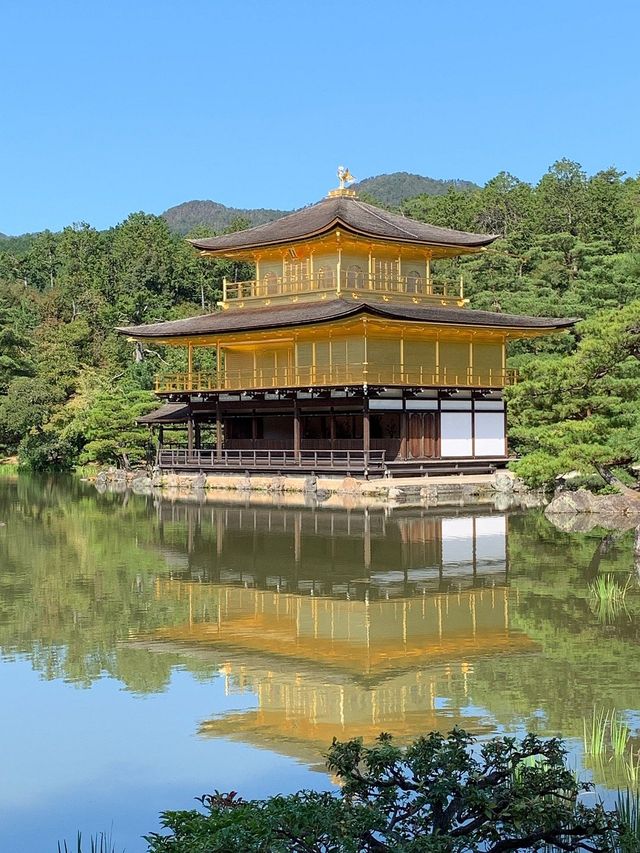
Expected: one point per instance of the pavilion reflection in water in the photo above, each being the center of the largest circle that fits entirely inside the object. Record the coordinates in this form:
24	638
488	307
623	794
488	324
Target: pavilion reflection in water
342	624
336	553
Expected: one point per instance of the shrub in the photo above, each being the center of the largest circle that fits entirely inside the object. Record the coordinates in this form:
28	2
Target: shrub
440	794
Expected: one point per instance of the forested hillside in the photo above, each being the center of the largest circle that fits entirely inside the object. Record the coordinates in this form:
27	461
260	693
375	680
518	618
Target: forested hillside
70	388
394	189
184	218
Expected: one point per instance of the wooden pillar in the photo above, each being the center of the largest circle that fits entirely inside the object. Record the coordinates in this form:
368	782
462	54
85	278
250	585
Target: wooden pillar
296	429
160	436
218	430
190	362
366	538
403	429
254	429
190	432
366	433
332	428
198	435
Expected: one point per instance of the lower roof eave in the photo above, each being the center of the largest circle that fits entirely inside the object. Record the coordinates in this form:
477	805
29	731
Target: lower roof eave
285	316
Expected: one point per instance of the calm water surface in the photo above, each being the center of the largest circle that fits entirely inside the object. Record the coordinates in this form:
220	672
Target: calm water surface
152	651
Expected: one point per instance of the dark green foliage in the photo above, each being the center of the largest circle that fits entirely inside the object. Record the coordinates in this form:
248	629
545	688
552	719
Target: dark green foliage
70	388
440	794
574	411
186	217
392	190
107	426
14	349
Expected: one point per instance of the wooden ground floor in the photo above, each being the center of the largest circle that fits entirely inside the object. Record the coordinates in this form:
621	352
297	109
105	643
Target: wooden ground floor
342	430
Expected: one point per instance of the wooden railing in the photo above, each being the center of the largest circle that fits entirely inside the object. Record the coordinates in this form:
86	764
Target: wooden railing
348	281
271	460
334	375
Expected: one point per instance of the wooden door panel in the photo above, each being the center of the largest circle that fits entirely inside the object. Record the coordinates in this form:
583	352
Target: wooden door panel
423	435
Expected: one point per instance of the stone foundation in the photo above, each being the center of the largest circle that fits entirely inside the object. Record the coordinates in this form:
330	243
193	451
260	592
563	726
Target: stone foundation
501	488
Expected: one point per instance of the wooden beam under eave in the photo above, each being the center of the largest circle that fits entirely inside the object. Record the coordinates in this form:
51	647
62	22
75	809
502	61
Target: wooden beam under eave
346	325
349	241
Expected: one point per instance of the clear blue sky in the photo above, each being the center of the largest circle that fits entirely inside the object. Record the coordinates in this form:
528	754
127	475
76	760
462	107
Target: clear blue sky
122	105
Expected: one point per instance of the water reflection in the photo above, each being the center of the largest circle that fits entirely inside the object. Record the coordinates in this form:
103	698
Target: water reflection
337	553
337	623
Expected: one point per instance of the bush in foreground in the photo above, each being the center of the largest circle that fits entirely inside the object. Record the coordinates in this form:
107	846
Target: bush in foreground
440	794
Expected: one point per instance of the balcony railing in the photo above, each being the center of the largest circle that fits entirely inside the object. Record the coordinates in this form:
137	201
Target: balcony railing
347	282
268	460
335	375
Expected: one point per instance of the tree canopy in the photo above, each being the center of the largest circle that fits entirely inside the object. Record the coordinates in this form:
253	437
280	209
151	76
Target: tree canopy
441	794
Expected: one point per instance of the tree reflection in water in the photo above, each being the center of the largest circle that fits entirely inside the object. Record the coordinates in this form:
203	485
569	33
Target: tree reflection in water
340	622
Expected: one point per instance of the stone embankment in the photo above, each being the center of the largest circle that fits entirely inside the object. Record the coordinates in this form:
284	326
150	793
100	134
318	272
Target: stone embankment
581	510
502	488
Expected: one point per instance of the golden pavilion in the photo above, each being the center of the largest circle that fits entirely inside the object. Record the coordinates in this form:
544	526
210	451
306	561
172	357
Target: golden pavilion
343	354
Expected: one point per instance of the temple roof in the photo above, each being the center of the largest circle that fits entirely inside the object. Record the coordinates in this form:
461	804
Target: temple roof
169	413
308	313
351	215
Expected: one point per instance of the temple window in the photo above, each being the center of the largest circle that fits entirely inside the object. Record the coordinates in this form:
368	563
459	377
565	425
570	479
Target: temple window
386	269
325	277
414	282
296	270
270	284
355	276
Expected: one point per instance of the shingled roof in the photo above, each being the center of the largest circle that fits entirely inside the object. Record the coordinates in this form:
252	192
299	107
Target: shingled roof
349	214
169	413
307	313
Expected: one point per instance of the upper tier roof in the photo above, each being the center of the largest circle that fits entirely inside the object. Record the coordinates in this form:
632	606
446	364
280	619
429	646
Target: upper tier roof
307	313
349	214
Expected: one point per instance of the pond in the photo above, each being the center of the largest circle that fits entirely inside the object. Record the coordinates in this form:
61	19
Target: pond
153	651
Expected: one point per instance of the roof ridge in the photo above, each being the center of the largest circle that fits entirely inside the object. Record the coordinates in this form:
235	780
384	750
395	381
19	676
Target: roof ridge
375	213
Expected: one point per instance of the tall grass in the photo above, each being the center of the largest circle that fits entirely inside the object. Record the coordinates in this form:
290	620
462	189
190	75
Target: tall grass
628	808
607	597
605	732
632	767
101	843
620	735
595	735
87	471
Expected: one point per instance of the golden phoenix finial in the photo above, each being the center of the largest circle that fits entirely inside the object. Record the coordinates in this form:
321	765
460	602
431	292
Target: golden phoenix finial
344	176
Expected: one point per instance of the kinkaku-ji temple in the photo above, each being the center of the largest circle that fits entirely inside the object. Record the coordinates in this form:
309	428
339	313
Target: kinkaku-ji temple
343	354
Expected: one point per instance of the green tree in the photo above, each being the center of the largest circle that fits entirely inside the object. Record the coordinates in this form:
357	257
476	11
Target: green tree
107	425
583	410
14	350
440	794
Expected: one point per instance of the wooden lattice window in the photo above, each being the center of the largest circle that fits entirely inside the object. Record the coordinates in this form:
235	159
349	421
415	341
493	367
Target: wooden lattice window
355	276
270	284
414	282
386	269
296	270
325	277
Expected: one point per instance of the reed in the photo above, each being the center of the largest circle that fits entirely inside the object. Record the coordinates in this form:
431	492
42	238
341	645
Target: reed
632	768
620	734
101	843
607	597
595	735
628	809
87	471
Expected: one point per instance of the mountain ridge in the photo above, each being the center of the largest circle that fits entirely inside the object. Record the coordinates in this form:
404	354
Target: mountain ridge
389	190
